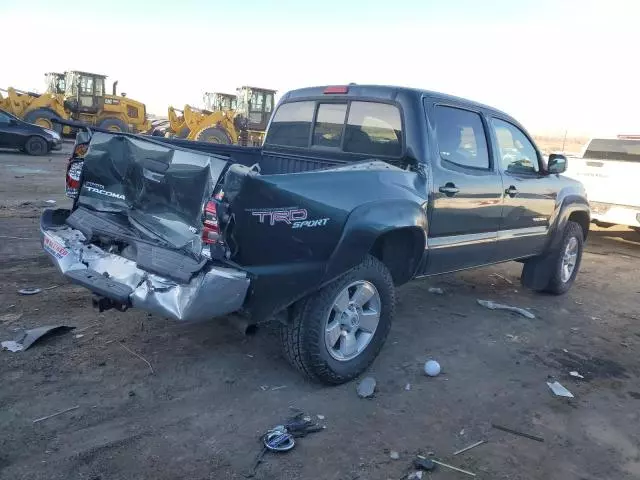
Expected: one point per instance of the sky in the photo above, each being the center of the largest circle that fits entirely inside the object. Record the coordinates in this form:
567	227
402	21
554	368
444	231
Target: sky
563	65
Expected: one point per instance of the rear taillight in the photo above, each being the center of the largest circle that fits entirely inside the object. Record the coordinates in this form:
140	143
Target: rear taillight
74	171
211	229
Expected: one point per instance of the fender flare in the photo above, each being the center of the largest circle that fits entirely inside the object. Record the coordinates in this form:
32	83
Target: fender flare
570	203
366	224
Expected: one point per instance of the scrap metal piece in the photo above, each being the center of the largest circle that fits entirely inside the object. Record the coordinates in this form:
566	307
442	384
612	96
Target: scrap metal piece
466	472
26	338
470	447
498	306
29	291
56	414
516	432
559	390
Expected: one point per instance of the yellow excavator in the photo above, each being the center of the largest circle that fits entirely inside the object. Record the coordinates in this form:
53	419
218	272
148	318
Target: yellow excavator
228	119
78	96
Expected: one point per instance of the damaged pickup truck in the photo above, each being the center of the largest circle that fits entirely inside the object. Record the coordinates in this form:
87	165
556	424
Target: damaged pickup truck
357	190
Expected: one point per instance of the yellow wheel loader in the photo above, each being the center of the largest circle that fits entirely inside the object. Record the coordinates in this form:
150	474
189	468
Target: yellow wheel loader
81	97
231	119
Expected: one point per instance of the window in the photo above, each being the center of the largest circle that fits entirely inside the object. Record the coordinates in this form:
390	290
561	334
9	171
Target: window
86	85
257	102
4	119
291	125
613	149
374	128
329	122
517	154
461	137
268	103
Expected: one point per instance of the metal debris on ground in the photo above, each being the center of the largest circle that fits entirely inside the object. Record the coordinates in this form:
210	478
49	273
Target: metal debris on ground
474	445
137	355
559	390
436	290
499	306
320	417
79	335
415	475
27	338
422	463
279	387
393	455
281	438
367	387
432	368
407	387
466	472
576	374
29	291
516	432
9	318
502	277
56	414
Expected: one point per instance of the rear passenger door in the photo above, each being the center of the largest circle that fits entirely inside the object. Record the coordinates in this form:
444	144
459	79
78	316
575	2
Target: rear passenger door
466	205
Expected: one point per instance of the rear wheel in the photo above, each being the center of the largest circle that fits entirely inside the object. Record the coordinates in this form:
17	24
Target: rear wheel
36	146
44	117
114	125
213	135
336	333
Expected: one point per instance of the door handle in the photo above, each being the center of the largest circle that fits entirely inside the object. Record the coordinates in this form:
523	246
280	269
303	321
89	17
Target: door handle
511	191
449	189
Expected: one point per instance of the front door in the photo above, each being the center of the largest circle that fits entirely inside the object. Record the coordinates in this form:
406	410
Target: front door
9	136
466	202
529	193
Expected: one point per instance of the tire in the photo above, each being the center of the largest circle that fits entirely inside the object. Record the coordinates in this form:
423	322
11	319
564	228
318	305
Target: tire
36	146
213	135
303	338
43	117
553	264
114	125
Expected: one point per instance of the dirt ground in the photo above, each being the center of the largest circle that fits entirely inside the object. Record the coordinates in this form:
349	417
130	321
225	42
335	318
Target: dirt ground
212	391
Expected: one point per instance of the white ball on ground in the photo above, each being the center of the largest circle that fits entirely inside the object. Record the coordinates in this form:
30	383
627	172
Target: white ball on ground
432	368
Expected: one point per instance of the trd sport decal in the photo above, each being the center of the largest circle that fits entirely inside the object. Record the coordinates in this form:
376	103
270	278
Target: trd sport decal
296	217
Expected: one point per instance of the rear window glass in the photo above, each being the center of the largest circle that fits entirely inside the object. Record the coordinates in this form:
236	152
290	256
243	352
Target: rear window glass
371	128
291	125
329	123
613	149
374	128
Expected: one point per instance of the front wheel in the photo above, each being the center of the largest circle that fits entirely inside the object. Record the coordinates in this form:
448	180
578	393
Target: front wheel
561	267
36	146
336	333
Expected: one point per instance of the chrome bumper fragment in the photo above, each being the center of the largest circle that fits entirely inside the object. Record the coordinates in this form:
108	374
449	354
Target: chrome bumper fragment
213	292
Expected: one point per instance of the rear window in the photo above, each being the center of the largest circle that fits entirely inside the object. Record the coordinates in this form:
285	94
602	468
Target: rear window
291	124
374	128
368	128
613	149
329	124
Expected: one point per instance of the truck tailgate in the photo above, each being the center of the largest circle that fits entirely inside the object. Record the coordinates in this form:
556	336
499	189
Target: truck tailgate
160	189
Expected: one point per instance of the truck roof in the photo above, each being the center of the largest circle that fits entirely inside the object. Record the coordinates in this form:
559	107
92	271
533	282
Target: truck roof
387	92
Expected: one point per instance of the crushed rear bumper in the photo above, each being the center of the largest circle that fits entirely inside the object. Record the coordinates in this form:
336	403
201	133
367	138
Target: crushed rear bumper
212	292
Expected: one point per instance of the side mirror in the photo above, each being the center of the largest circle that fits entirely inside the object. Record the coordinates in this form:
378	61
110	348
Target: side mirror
557	163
